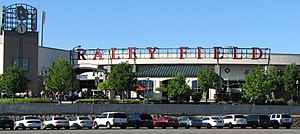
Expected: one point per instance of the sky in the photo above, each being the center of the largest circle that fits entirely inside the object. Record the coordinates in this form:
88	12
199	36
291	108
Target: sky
104	24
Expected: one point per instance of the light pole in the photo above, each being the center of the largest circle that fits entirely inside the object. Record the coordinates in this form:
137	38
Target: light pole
72	58
147	89
297	84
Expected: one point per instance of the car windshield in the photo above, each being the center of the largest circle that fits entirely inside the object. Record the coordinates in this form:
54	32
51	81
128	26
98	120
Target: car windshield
84	118
239	116
4	118
59	118
194	118
145	116
120	115
215	118
286	116
29	118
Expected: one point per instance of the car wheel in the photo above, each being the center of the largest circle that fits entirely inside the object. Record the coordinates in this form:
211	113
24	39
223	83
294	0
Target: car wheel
254	126
163	126
198	127
136	126
288	127
208	126
22	126
108	126
77	126
52	127
96	126
230	125
276	126
187	126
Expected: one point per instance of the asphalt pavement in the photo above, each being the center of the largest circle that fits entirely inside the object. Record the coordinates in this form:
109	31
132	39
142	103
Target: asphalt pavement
159	131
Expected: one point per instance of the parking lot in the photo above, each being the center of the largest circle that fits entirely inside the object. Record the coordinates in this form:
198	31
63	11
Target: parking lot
160	131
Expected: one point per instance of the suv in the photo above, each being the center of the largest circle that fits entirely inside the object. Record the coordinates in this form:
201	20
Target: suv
256	120
28	122
235	120
110	119
6	122
140	120
281	120
56	122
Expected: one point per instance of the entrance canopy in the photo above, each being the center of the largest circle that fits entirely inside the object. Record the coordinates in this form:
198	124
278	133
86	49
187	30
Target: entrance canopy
140	88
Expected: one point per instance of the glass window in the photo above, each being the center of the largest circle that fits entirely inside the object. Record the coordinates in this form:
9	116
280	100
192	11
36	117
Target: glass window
25	63
195	86
278	116
103	115
148	86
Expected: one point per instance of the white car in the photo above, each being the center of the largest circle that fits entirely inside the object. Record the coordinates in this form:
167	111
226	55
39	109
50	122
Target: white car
56	122
28	122
109	119
235	120
212	121
80	122
281	120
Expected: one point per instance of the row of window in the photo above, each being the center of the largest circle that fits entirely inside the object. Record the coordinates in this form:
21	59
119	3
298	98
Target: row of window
16	62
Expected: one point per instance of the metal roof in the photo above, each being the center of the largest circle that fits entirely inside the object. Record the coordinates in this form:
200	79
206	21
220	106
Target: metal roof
170	71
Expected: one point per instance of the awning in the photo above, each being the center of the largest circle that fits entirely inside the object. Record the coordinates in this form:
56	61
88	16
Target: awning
140	88
170	71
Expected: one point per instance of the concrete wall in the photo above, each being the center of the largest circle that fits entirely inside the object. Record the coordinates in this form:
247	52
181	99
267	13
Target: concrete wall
54	108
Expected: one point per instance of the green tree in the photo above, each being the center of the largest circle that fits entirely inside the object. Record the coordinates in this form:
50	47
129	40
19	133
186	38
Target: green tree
104	85
290	77
206	79
14	80
260	83
60	77
122	78
178	89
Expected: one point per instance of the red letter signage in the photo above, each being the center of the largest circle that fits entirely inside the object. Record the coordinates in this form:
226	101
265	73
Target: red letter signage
98	54
217	53
81	54
182	51
254	52
113	54
131	52
235	53
151	52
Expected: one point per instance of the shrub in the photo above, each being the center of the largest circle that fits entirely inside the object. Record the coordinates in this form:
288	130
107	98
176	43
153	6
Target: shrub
26	100
280	101
292	103
90	101
196	96
221	97
154	100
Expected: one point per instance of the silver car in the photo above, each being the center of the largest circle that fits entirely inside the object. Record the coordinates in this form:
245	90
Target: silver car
190	121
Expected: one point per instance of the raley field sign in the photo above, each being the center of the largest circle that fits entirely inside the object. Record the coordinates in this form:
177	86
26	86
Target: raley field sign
253	53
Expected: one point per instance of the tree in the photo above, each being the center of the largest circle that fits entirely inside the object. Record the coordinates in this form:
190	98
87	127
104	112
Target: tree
290	77
178	89
60	77
260	83
122	78
14	80
206	79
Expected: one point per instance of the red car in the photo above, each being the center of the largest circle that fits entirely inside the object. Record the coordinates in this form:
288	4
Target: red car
164	122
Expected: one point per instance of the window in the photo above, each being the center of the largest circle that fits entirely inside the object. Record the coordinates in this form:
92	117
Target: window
103	116
195	86
277	116
148	86
16	62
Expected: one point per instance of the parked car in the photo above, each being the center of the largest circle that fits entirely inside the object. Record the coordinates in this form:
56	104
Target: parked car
256	120
140	120
190	121
6	122
28	122
281	120
235	120
80	122
163	122
111	119
212	121
56	122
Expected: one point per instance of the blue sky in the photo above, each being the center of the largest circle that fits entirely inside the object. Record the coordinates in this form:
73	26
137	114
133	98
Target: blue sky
273	24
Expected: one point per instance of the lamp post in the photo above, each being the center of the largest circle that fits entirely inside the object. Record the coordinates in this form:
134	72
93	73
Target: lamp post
147	88
297	84
72	59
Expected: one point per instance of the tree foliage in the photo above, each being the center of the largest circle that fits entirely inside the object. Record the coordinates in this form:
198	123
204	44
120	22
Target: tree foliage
206	79
60	78
104	85
178	89
122	78
260	83
290	77
14	80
